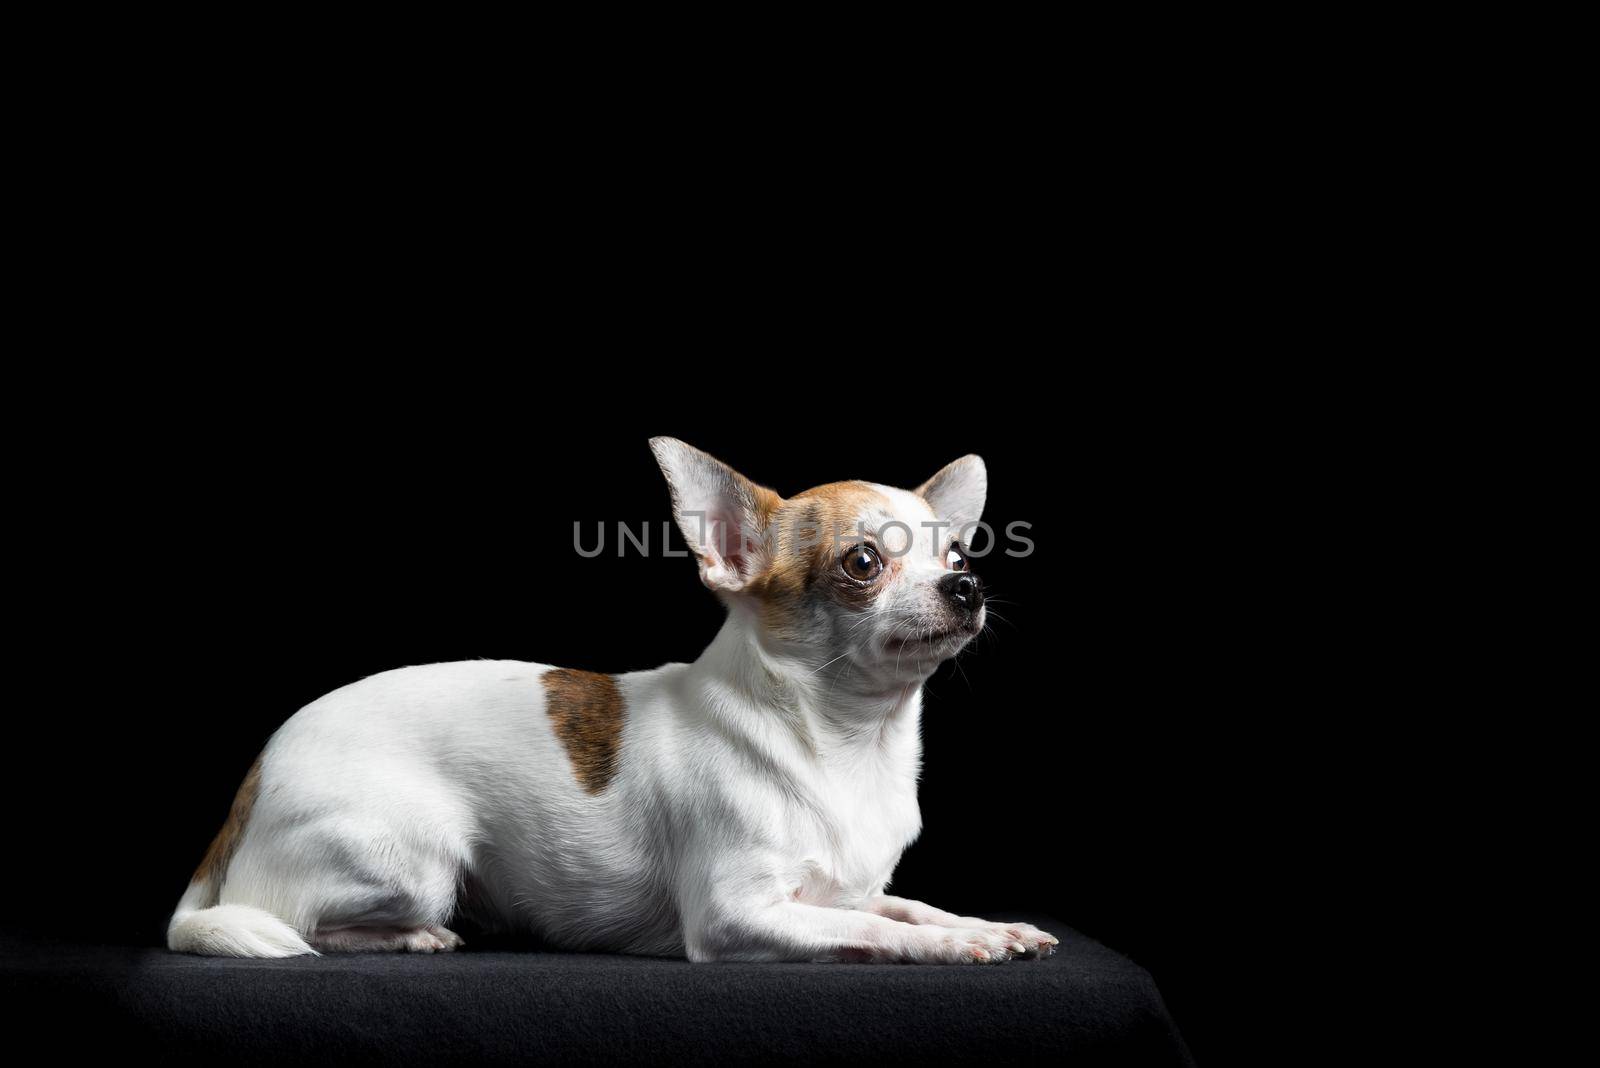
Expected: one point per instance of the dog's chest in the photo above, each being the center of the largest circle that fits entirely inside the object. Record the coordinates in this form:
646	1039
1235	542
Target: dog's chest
848	842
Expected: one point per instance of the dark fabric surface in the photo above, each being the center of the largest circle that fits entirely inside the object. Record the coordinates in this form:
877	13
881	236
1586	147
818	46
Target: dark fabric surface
1086	1003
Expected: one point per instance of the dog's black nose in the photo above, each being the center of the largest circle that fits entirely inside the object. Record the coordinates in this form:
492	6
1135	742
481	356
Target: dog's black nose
964	590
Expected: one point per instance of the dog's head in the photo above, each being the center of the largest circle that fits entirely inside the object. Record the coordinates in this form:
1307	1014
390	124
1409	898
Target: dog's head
868	575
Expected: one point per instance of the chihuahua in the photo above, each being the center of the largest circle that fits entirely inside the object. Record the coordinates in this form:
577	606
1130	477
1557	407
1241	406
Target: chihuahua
750	806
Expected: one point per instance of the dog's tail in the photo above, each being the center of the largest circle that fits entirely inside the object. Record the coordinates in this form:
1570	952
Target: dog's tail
229	930
202	924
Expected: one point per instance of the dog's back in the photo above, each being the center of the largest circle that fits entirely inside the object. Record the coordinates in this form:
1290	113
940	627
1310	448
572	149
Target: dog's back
374	805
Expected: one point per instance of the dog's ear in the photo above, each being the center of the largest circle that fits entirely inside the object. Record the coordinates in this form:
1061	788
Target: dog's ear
957	492
722	514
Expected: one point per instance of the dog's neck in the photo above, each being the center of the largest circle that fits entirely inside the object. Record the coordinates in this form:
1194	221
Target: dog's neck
827	705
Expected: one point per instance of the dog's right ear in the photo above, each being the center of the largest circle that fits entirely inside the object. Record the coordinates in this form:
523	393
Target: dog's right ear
722	514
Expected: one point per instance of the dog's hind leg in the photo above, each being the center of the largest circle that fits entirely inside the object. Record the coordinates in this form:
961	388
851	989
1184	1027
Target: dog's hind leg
431	938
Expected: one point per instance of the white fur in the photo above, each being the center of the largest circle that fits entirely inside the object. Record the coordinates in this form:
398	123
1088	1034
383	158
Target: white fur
958	491
761	801
231	931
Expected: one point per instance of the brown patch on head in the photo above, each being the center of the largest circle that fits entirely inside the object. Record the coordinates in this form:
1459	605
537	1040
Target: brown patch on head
586	709
214	867
763	506
764	503
812	529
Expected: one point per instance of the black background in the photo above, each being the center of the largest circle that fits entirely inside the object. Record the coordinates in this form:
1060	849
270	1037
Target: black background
1095	757
318	388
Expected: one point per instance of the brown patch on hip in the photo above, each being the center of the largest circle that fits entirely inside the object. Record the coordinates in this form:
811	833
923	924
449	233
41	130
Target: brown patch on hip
226	843
586	710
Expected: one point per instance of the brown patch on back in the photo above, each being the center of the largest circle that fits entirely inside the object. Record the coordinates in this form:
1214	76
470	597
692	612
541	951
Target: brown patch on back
226	843
586	709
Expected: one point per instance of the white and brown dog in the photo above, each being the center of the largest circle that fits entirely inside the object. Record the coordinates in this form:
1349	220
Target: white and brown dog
749	806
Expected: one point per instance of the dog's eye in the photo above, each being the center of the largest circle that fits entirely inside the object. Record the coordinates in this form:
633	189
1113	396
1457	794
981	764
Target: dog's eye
862	563
954	560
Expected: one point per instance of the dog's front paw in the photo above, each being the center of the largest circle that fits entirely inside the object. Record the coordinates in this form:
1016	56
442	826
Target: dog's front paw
1025	940
935	945
969	945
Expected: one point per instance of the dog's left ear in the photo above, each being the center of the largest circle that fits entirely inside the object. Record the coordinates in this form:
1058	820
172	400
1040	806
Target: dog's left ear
957	492
722	514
